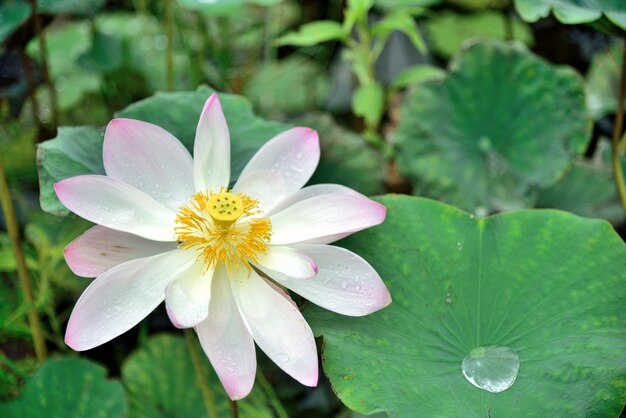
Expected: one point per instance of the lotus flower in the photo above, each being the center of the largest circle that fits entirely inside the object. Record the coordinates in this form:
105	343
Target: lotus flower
169	228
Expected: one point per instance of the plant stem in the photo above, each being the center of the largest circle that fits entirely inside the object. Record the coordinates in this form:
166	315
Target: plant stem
47	300
234	412
617	132
271	395
169	52
30	85
20	262
43	55
205	389
224	56
508	24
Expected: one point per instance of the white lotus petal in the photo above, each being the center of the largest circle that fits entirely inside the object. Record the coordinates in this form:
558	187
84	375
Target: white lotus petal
116	205
121	297
325	215
277	327
281	167
211	150
287	261
99	249
227	342
187	298
345	283
150	159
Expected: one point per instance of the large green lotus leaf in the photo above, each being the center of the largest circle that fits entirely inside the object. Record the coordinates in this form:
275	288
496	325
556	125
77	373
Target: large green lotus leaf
345	157
161	382
587	190
68	387
449	30
532	295
574	11
500	124
77	151
602	82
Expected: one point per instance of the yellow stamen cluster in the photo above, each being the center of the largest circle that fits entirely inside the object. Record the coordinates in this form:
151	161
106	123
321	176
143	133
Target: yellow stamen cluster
220	227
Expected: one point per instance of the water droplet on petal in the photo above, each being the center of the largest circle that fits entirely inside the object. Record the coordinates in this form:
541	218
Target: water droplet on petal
344	284
282	357
493	368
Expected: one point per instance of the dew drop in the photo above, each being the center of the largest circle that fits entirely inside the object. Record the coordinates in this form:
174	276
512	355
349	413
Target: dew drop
344	284
492	368
480	211
282	357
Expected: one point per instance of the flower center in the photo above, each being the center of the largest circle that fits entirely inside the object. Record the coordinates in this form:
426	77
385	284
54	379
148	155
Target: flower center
222	229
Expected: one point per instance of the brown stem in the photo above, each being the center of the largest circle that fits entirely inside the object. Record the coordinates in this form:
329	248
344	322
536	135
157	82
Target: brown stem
43	55
30	85
20	262
234	412
508	24
617	132
169	53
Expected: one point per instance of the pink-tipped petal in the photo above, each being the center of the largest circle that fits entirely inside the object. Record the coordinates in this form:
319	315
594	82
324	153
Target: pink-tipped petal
121	297
116	205
99	249
288	261
227	342
309	192
292	155
277	326
149	158
345	283
211	152
187	298
323	216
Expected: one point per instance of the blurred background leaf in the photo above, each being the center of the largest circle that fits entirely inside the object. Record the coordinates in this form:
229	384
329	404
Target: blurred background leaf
456	144
161	382
68	387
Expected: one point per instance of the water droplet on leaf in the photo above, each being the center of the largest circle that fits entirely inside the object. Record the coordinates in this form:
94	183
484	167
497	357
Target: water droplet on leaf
492	368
